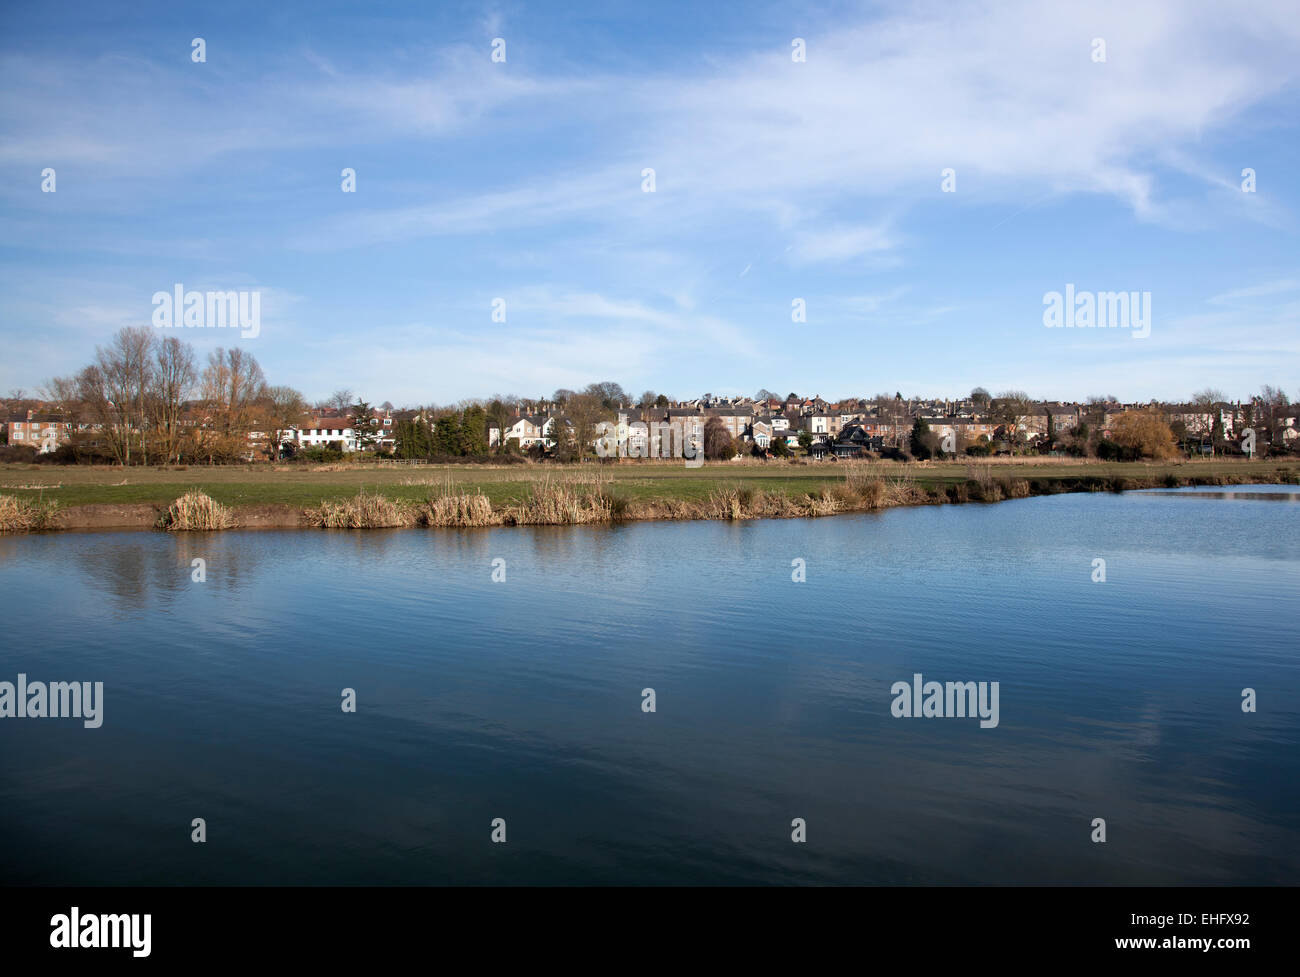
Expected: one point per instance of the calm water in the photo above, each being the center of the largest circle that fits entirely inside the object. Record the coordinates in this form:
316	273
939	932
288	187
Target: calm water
522	700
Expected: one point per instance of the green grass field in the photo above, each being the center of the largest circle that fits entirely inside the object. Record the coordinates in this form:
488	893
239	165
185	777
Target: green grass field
637	481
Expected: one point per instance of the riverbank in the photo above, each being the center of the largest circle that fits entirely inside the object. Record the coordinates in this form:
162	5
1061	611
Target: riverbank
40	498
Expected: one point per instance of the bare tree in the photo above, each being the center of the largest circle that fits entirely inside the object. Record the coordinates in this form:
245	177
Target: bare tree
232	384
287	408
583	412
500	412
61	394
891	410
1272	405
1012	408
135	346
718	445
1206	403
609	394
175	377
116	387
106	408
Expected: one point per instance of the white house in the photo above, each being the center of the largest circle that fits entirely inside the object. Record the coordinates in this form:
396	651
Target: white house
528	430
328	432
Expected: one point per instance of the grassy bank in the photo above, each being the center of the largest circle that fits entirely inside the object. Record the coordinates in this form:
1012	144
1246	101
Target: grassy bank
365	495
237	486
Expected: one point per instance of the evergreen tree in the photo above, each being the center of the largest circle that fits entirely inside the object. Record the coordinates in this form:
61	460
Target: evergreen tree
921	440
446	438
473	431
413	439
365	432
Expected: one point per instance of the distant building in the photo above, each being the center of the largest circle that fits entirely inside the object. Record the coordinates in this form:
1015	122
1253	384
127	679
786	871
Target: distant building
528	430
324	432
44	434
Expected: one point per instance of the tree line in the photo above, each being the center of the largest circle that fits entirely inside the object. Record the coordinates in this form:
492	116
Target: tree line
147	399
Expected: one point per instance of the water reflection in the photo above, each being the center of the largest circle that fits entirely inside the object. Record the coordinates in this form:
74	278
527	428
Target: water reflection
521	699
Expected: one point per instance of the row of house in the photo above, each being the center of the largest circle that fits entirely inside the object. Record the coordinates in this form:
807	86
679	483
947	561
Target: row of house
846	427
840	428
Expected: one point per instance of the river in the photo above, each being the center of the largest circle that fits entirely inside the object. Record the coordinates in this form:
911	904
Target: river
521	699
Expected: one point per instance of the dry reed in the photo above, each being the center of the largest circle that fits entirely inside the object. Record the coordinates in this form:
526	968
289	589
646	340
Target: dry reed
365	510
569	502
196	512
25	515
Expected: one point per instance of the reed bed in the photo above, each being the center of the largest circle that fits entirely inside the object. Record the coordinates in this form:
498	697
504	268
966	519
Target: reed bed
25	515
588	498
365	510
725	504
568	502
458	509
824	503
735	504
196	512
553	502
864	490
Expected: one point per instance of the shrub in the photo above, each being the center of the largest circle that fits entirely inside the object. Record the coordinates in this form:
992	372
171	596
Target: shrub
23	454
1108	450
319	455
619	507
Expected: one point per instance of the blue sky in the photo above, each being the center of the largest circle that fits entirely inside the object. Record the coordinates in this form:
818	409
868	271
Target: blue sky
775	180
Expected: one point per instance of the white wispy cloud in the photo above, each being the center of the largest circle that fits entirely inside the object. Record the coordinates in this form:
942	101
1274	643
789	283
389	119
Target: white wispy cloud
1006	94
